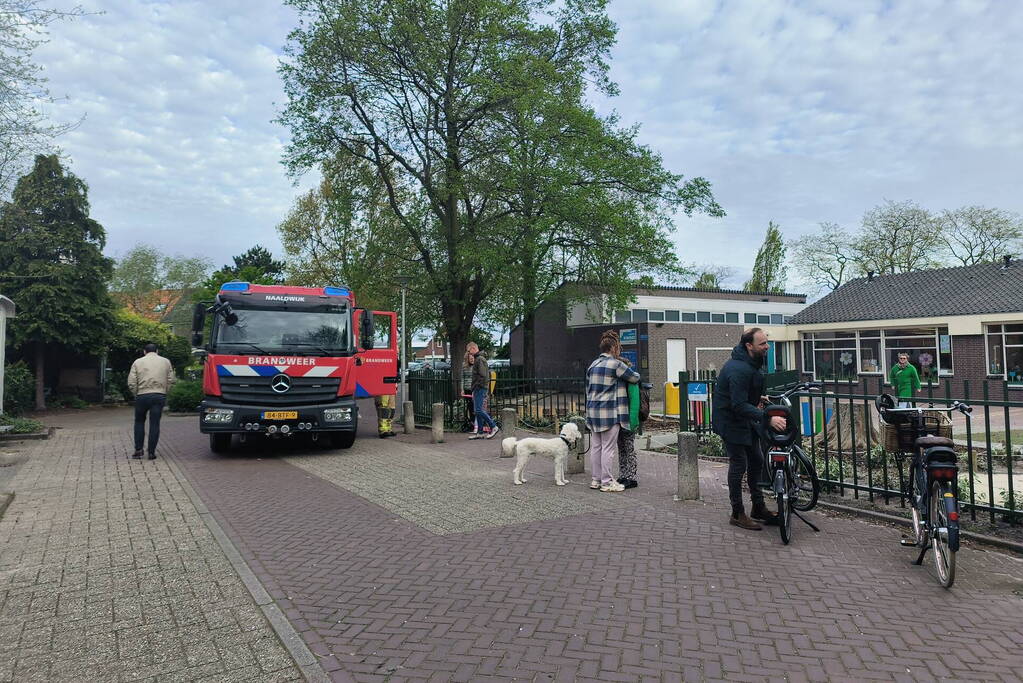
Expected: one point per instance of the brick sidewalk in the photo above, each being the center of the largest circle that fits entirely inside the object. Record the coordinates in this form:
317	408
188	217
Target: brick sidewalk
403	560
107	571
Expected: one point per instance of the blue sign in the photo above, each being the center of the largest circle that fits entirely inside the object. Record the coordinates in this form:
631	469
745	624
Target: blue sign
627	336
697	391
631	357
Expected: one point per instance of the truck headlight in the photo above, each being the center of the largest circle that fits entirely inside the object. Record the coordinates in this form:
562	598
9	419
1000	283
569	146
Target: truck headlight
218	416
337	415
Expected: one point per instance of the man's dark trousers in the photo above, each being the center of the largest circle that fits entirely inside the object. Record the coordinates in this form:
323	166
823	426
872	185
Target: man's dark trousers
151	404
748	460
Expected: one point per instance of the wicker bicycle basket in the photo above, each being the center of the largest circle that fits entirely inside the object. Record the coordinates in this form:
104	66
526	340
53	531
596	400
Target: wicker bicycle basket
900	437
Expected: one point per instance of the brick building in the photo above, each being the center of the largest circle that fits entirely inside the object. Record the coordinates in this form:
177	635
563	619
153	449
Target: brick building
958	325
666	330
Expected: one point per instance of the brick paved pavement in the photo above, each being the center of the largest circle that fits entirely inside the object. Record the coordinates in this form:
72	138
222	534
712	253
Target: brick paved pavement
401	560
107	571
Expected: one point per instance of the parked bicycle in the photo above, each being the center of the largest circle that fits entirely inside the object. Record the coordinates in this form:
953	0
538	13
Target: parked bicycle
931	485
793	477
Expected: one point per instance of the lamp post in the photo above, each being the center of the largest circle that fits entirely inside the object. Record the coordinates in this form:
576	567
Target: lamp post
402	281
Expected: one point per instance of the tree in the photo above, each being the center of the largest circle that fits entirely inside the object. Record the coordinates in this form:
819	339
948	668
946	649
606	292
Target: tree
977	234
344	232
712	277
52	265
898	237
419	90
591	210
24	129
131	332
769	269
256	265
826	258
144	270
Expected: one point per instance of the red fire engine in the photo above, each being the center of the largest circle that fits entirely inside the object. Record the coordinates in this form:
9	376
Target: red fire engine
284	360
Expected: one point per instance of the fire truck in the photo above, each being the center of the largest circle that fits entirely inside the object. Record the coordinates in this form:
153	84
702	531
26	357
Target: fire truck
285	361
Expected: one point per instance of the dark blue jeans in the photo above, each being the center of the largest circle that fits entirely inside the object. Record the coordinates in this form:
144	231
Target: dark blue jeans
483	419
152	405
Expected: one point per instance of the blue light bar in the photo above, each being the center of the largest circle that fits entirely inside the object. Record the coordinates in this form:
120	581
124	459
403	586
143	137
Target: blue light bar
234	287
337	291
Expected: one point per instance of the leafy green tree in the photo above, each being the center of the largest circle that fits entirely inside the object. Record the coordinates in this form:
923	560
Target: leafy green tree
130	333
826	259
591	210
420	91
769	269
144	270
712	277
52	266
24	128
256	265
977	234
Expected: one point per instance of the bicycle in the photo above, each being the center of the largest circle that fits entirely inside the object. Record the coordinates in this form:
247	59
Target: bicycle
794	480
934	471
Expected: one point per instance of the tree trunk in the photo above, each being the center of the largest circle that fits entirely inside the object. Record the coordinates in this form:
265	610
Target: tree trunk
40	375
848	428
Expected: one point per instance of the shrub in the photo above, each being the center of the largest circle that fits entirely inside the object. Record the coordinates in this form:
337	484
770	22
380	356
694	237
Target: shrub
70	402
184	396
22	425
711	446
19	388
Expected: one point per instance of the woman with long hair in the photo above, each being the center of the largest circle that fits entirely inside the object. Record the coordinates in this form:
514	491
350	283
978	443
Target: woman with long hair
607	409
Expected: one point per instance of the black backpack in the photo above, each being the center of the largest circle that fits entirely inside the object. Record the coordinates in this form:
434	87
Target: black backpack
644	401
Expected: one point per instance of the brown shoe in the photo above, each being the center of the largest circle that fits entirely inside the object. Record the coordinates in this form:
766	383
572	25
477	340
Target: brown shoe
744	522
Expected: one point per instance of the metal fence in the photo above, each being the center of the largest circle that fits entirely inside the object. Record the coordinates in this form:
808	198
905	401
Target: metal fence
538	401
840	429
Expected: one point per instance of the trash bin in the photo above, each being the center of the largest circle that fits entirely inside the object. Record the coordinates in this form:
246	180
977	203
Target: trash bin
671	400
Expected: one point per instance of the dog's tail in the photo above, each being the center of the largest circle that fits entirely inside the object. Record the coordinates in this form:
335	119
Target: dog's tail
508	446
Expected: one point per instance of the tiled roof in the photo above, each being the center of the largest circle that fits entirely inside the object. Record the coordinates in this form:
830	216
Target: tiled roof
966	290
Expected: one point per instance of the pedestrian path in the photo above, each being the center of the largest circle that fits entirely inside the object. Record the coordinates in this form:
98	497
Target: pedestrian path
108	573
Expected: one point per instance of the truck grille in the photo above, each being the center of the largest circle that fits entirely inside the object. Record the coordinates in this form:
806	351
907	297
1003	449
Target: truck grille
257	391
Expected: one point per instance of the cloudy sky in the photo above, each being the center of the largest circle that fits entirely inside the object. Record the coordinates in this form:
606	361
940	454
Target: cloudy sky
797	112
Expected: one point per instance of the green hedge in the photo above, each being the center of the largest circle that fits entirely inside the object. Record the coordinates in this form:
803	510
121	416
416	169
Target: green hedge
19	389
185	396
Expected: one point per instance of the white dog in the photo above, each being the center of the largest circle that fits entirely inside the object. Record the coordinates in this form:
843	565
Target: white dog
556	448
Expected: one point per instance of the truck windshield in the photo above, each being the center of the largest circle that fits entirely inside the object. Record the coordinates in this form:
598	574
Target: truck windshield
321	331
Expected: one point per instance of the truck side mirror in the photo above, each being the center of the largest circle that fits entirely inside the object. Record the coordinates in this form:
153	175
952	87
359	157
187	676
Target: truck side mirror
197	339
198	318
366	329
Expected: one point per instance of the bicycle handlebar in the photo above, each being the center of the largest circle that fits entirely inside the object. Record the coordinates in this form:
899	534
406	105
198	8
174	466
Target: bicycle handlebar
956	405
808	386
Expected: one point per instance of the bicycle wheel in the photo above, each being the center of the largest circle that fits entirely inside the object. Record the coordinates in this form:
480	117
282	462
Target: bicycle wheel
944	555
807	483
781	487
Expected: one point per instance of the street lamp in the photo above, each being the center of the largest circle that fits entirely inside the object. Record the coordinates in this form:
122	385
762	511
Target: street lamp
402	281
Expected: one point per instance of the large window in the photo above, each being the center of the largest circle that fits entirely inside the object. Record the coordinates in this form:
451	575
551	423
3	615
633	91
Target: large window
842	355
1005	352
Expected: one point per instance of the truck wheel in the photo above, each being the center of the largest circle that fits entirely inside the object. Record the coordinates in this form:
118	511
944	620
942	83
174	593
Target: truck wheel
342	439
220	443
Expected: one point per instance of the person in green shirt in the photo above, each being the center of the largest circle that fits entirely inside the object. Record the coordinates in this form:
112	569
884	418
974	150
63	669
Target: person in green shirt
905	380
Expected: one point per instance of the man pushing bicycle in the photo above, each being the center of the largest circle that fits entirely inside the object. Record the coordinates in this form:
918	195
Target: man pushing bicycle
738	403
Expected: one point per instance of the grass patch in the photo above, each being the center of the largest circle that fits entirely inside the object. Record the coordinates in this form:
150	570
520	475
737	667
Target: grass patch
21	425
999	437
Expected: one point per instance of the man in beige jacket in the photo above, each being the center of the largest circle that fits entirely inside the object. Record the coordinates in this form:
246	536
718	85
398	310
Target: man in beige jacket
149	379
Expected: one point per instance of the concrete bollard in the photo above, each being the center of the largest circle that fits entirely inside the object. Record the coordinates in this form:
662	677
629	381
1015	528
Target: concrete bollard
409	417
688	467
438	423
576	459
509	423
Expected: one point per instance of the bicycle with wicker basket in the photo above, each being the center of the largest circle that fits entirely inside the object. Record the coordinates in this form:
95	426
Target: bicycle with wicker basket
926	435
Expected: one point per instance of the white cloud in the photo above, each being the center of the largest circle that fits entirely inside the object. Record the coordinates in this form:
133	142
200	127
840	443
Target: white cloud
797	111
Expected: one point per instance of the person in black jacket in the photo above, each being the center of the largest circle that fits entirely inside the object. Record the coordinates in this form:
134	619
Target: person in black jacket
738	399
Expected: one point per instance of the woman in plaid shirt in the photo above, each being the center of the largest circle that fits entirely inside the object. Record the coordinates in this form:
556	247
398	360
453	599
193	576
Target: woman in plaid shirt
607	409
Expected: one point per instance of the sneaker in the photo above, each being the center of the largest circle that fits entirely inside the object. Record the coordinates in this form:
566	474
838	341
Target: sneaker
613	487
628	483
152	456
137	455
594	484
492	434
473	437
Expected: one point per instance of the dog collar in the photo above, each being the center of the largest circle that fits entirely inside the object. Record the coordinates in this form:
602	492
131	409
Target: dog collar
567	442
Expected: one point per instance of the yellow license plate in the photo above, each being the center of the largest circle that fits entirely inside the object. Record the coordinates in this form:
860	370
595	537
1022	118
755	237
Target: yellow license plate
280	414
